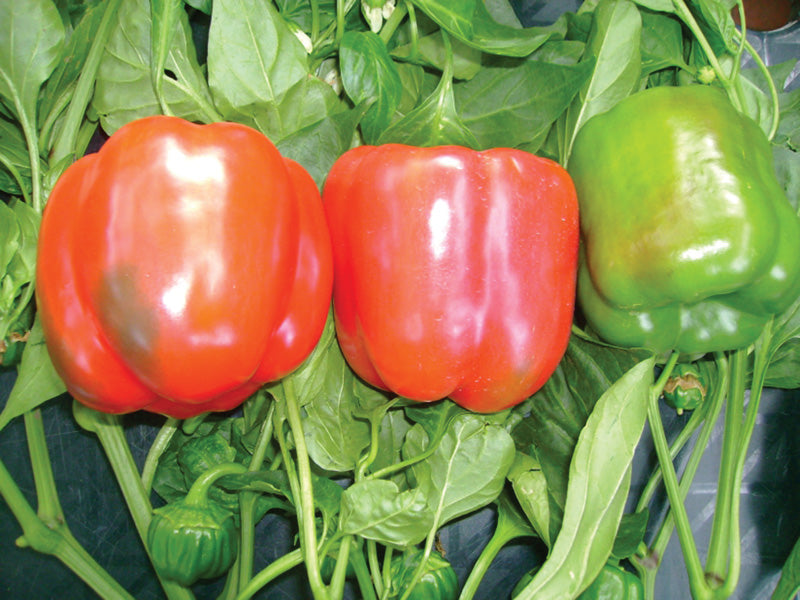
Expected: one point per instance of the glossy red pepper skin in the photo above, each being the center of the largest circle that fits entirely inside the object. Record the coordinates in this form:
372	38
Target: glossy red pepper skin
454	270
181	267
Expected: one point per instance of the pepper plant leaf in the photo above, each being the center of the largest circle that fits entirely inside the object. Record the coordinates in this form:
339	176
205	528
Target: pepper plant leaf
369	75
599	481
467	469
510	104
473	24
124	89
37	380
31	39
253	58
613	45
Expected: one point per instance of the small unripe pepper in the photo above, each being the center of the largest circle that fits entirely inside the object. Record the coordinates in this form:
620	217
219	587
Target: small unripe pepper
686	388
194	538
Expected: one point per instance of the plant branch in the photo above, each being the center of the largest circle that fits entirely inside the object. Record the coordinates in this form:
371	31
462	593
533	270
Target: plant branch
719	544
308	539
109	431
65	142
57	542
274	569
700	590
158	447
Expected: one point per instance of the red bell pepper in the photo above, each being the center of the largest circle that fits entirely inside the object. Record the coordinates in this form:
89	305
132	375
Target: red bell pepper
454	270
181	267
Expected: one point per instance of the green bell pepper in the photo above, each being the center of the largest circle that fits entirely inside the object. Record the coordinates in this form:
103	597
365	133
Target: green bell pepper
614	583
688	241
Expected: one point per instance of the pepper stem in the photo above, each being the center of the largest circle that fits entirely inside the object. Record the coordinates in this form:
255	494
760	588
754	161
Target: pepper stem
198	493
308	539
688	18
700	590
156	450
109	430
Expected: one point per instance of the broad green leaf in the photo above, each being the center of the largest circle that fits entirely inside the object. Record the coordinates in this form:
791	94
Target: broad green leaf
31	39
758	100
201	5
509	104
662	42
511	521
787	168
124	89
305	104
433	122
393	430
301	12
370	76
781	349
15	165
318	145
434	418
473	24
417	83
559	411
335	439
530	488
783	371
467	469
72	11
613	46
579	25
560	52
599	481
788	133
430	51
10	236
376	509
716	21
19	226
23	265
324	386
61	83
789	583
165	15
37	380
632	529
328	499
657	5
253	57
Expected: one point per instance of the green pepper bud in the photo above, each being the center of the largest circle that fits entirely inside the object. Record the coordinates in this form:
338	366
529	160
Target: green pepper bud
438	582
706	75
686	388
194	538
